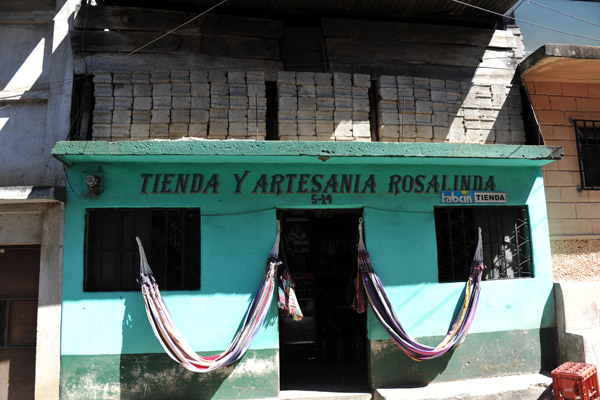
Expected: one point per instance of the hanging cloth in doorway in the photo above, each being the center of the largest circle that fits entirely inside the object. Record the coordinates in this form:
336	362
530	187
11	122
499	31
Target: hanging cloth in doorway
368	282
173	342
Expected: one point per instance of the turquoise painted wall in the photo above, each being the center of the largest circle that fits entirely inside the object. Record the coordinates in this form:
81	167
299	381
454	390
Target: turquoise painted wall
238	232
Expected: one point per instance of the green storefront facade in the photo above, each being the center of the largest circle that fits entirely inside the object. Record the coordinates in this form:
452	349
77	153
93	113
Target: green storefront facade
108	349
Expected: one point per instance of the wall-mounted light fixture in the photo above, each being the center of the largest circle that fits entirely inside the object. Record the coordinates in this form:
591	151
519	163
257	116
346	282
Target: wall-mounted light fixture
94	183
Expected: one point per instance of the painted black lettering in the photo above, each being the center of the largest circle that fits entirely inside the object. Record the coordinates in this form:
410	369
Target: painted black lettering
213	183
146	178
346	185
165	189
371	184
276	181
156	183
419	186
332	184
433	184
477	182
408	184
261	183
316	182
182	183
302	183
239	181
465	182
197	183
291	178
490	184
394	186
356	183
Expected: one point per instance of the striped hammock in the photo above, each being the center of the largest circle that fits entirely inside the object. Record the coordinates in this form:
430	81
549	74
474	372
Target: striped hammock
173	342
367	282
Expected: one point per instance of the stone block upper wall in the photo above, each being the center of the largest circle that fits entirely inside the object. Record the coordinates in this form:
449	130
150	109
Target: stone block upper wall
175	104
216	104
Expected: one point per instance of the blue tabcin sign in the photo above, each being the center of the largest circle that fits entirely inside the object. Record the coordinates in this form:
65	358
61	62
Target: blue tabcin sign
471	197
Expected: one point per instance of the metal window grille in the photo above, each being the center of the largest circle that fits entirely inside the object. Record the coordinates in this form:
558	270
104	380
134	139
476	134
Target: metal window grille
171	239
506	241
587	134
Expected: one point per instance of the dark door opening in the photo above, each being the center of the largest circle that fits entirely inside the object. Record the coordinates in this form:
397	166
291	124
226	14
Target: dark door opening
326	350
20	269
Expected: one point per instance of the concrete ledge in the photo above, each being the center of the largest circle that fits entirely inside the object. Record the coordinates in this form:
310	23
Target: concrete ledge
26	194
525	387
318	152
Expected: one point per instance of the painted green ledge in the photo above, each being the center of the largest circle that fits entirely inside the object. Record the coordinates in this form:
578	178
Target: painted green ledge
276	151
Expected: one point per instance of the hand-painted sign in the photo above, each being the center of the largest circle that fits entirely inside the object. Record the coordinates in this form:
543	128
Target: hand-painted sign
321	184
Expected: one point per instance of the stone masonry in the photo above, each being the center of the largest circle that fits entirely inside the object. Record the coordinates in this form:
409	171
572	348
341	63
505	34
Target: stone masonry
175	104
412	109
323	106
335	106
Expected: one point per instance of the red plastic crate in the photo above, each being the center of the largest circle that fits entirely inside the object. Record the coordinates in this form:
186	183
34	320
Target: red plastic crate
575	381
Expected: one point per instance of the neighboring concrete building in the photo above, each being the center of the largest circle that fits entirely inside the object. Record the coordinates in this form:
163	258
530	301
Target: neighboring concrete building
35	102
562	77
314	114
564	89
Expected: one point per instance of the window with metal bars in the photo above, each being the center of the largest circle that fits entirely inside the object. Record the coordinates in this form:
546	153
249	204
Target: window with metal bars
506	241
171	239
587	134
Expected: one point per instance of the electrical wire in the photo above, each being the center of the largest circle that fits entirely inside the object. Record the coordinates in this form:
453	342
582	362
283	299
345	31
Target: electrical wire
67	81
173	30
524	21
561	12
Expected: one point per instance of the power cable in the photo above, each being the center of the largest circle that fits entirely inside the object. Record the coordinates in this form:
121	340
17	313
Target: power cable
562	12
524	21
173	30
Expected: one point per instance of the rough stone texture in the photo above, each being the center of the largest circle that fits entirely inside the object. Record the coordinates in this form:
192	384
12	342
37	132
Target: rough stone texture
173	104
447	111
323	106
576	260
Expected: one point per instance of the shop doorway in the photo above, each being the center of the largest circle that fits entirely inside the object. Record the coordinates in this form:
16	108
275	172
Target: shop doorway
325	351
20	268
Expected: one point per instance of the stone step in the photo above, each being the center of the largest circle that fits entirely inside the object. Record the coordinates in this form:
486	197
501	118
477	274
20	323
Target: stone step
318	395
517	387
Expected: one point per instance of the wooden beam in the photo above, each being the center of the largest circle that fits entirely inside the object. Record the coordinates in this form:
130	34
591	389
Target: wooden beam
176	43
141	19
365	51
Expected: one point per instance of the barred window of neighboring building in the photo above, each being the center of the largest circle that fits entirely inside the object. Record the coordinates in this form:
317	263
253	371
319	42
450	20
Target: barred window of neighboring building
506	241
171	239
587	134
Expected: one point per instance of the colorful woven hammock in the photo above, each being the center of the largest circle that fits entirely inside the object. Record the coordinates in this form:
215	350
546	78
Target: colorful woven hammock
368	282
173	342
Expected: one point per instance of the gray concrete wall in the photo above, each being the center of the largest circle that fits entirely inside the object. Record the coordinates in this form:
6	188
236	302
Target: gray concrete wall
35	91
578	321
